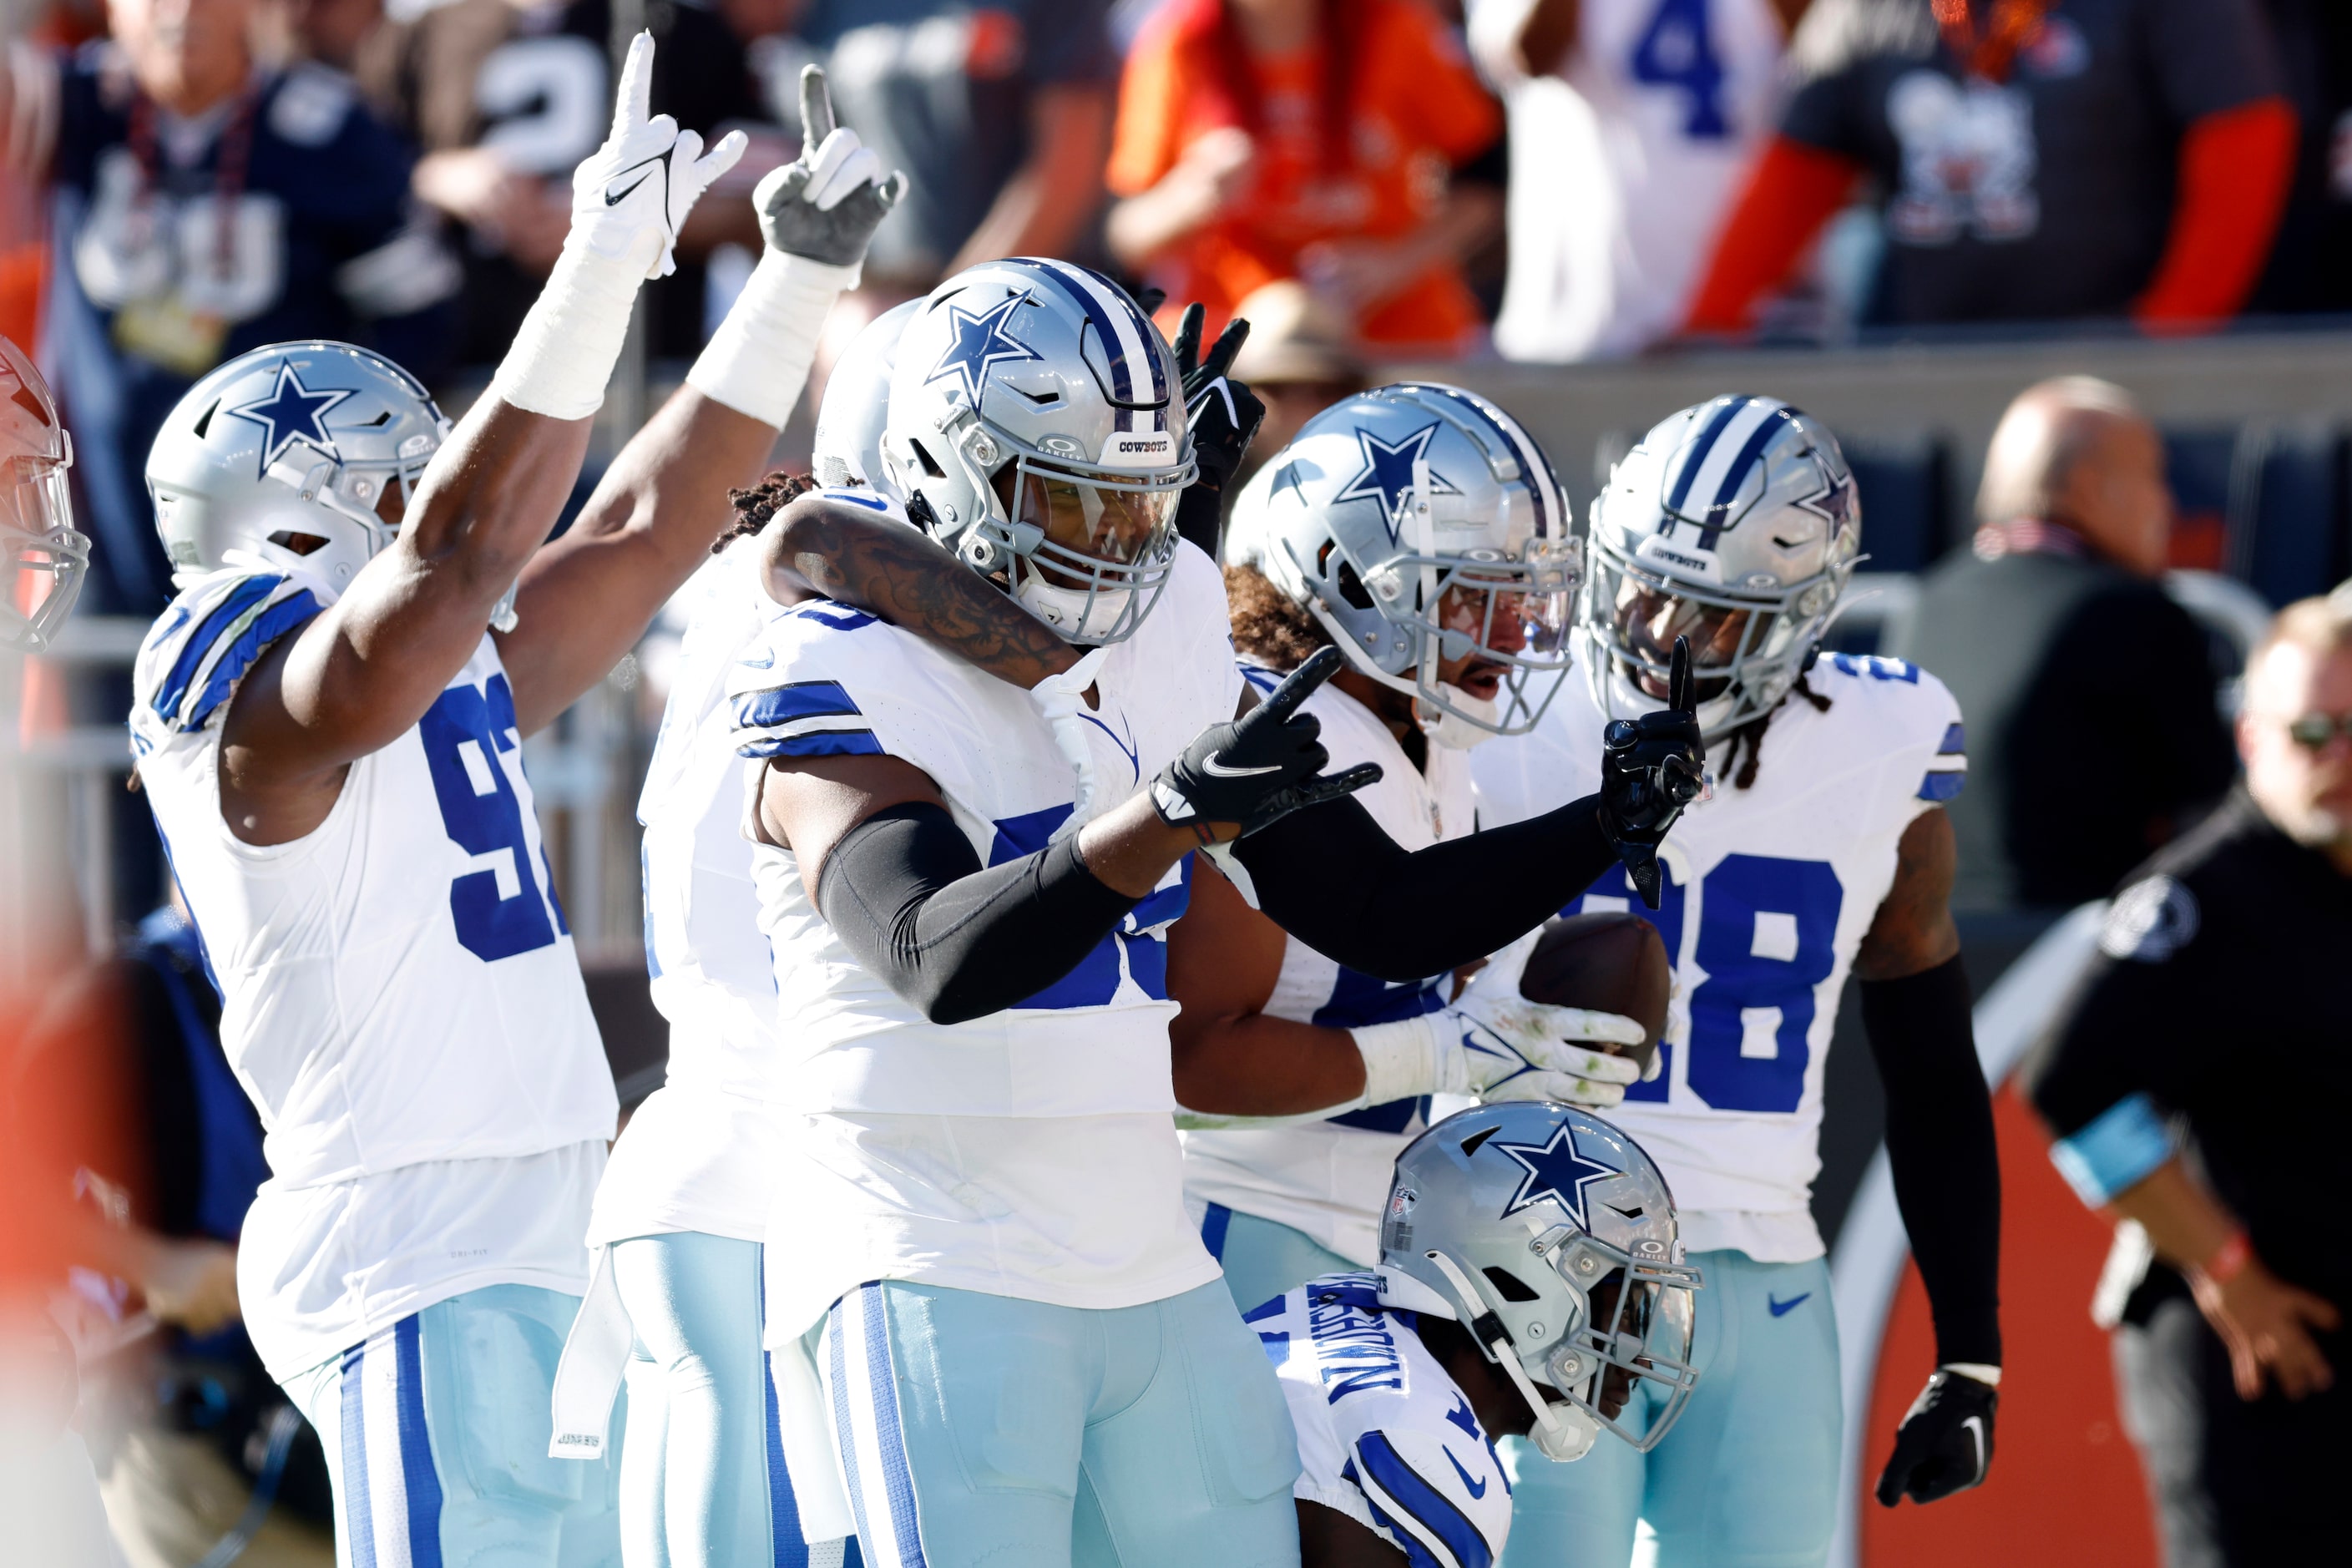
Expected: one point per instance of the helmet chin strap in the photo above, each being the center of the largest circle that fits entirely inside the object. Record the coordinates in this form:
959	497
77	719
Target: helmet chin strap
1563	1432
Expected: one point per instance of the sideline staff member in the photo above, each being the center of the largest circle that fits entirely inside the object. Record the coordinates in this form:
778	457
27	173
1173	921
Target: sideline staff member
2237	934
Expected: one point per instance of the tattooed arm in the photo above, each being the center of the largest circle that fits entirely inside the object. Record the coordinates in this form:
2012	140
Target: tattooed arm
823	548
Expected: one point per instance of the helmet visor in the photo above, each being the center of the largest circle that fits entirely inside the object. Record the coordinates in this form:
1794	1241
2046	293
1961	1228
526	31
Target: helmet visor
1118	521
1636	615
47	557
1495	628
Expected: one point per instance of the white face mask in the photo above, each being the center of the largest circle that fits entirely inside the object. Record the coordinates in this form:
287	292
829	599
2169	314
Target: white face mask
1453	731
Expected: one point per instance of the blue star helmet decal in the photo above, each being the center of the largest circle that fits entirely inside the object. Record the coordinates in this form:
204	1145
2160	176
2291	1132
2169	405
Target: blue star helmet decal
291	412
1387	476
980	342
1558	1171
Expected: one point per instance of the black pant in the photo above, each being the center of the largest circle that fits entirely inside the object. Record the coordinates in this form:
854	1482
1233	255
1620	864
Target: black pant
2235	1482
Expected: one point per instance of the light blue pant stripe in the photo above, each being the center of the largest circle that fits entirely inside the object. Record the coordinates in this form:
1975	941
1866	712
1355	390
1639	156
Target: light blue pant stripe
844	1429
358	1522
421	1481
897	1476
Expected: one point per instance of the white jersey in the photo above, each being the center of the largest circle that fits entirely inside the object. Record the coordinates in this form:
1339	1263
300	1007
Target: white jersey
1767	896
1384	1435
697	1155
1625	163
399	994
1032	1154
1330	1179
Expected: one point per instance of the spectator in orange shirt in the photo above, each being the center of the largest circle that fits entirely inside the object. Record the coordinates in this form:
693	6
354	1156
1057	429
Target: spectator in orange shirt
1259	140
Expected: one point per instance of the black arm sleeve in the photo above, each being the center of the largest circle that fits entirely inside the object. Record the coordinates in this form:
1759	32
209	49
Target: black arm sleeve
1940	1142
1329	877
909	898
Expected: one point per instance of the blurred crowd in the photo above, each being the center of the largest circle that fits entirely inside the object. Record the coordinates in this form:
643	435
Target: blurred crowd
1544	180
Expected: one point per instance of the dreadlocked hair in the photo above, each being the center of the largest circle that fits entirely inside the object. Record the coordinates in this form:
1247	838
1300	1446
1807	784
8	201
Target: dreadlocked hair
755	505
1749	737
1268	626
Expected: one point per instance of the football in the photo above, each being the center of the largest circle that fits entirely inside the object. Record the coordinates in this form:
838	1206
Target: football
1609	961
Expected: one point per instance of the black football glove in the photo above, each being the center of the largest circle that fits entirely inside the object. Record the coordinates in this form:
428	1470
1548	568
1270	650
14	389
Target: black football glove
1260	767
1945	1443
1223	415
1650	768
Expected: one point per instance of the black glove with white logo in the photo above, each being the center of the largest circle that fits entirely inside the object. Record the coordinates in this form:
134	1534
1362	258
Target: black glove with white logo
1945	1443
1650	768
1223	415
1260	767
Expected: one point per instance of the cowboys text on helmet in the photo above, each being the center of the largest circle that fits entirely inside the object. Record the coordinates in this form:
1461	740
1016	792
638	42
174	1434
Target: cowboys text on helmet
1425	530
1036	427
1734	523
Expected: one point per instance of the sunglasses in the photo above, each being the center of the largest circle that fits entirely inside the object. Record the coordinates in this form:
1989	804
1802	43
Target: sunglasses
2313	730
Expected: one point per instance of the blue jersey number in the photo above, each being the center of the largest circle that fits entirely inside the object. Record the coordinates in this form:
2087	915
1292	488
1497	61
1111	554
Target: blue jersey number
1766	939
463	733
1675	51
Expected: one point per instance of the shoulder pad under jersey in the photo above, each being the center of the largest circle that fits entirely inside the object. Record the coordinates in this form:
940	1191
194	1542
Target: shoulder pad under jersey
1908	710
208	637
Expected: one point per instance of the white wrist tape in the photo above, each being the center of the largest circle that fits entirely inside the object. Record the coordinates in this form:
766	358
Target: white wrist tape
1983	1372
758	360
564	354
1400	1059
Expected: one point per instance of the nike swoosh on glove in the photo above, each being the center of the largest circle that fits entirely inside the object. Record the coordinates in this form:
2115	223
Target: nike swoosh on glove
1260	767
1945	1443
826	203
1650	768
631	195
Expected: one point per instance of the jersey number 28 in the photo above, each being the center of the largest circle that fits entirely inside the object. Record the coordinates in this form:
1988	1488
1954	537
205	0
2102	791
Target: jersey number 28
1767	940
500	910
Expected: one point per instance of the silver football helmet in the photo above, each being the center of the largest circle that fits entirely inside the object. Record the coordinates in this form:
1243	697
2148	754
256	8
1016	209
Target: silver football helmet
1036	427
49	556
849	446
1735	523
1550	1235
284	456
1419	524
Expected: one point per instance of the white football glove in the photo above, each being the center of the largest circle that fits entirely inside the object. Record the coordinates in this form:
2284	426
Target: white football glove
630	197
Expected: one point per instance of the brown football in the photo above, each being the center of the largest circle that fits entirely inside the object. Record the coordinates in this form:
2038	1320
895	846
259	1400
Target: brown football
1609	961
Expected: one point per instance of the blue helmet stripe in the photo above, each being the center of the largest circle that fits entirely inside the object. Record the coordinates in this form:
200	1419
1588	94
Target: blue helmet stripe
1121	383
1125	333
1700	449
1124	304
1727	491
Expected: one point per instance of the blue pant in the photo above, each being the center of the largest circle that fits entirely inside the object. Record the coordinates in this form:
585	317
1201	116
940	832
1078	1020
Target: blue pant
977	1429
435	1431
702	1473
1746	1479
1262	1259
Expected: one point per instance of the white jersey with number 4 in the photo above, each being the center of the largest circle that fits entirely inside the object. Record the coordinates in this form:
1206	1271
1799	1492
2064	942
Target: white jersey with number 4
1625	160
1767	896
1330	1179
1385	1435
399	993
1030	1153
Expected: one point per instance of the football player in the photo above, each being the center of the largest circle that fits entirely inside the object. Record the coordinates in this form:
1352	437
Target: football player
328	724
978	1234
1530	1281
47	556
1823	853
1419	530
